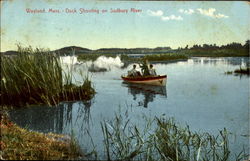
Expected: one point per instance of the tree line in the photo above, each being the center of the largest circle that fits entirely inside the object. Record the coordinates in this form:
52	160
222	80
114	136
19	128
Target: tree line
233	45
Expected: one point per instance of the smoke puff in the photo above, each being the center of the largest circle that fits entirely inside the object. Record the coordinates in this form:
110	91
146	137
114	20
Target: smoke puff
68	60
108	62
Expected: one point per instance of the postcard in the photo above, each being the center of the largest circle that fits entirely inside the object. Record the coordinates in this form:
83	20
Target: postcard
125	80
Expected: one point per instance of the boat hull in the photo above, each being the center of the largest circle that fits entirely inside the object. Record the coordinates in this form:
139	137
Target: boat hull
155	80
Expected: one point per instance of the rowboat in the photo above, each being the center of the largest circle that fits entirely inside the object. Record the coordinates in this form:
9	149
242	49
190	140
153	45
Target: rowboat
159	80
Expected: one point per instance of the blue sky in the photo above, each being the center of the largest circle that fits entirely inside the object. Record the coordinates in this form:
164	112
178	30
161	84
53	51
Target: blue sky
160	23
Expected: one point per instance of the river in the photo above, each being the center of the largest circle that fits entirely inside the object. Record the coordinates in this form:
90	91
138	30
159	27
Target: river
198	93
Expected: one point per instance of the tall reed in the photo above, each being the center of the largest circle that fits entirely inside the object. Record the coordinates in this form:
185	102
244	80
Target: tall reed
35	76
168	141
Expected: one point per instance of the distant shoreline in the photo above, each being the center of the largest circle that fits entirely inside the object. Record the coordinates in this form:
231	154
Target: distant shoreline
230	50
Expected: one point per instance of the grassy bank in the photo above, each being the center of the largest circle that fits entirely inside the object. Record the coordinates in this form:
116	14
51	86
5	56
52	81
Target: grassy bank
20	144
35	76
168	141
216	52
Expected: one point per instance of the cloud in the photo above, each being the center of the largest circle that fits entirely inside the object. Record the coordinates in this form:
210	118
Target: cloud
155	13
211	13
172	17
159	13
188	12
221	16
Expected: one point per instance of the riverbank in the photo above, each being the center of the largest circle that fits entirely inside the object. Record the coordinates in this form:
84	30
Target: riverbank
35	77
21	144
215	52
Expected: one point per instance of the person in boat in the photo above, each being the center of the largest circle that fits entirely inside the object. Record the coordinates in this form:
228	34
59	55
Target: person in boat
144	68
152	70
133	72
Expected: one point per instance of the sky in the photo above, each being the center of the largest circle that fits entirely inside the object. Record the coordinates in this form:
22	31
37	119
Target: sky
156	24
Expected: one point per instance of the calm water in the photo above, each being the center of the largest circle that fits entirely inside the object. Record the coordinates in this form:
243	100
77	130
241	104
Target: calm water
198	93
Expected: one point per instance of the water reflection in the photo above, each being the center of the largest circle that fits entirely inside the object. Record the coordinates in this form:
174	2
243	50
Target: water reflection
215	61
148	91
54	119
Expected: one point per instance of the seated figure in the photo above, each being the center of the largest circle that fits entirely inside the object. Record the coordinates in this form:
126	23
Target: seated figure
133	72
152	70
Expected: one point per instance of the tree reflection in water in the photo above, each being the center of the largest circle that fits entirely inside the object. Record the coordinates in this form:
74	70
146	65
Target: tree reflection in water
60	119
148	91
83	116
79	117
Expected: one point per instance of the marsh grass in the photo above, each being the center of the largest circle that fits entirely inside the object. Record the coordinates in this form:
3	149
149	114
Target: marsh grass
168	141
21	144
35	76
216	52
165	57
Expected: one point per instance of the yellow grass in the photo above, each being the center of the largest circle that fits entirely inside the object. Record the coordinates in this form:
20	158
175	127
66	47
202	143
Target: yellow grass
20	144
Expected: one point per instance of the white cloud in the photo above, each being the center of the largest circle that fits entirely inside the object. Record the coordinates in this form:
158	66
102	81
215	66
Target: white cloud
188	12
155	13
221	16
172	17
211	13
159	13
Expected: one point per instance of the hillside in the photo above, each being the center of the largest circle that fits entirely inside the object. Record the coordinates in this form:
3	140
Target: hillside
80	50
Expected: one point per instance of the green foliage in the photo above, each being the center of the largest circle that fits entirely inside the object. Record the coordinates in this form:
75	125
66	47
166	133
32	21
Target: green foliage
144	67
35	76
216	52
168	141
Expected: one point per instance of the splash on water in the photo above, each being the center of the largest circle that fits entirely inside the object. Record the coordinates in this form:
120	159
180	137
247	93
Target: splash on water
104	63
101	64
108	62
68	60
